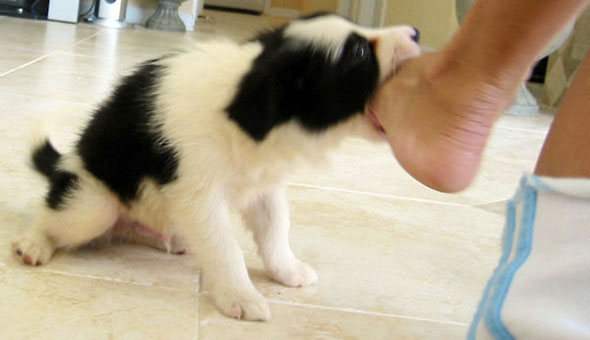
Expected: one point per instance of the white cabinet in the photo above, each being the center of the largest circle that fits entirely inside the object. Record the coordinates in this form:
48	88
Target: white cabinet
64	10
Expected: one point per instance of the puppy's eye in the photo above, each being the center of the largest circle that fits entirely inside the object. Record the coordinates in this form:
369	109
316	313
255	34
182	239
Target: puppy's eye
361	51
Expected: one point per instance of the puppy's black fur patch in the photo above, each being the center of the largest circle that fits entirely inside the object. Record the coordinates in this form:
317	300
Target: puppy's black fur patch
121	146
290	80
61	183
45	159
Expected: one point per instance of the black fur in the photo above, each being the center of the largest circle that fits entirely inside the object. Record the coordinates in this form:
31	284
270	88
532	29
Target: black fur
304	84
120	146
45	159
61	183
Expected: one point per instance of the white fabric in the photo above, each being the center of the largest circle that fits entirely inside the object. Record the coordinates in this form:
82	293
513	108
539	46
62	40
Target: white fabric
548	296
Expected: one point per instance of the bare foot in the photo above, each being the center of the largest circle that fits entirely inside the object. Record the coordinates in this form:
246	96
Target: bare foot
438	118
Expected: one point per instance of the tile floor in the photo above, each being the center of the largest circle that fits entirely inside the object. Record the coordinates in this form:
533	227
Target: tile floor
395	259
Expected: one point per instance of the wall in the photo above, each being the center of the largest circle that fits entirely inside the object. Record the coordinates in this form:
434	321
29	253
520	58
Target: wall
290	4
142	3
306	6
186	6
435	19
310	6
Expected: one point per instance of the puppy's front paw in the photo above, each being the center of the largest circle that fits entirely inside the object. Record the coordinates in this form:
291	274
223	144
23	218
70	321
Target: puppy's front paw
177	246
297	275
33	248
249	306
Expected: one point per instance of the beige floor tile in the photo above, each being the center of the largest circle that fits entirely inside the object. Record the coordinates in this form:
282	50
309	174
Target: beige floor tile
118	263
133	46
387	256
498	207
538	123
91	71
362	166
64	77
514	146
37	305
129	47
42	36
298	323
87	61
19	112
11	58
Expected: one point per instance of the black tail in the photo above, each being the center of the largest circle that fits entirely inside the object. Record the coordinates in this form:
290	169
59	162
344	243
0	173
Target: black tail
45	159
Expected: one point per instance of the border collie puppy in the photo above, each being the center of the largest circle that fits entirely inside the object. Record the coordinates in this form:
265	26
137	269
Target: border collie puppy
189	137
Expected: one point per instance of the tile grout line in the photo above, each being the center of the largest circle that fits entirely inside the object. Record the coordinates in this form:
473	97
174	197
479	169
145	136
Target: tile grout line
146	284
492	202
37	97
26	64
45	56
522	129
355	311
277	302
348	191
87	38
79	55
199	315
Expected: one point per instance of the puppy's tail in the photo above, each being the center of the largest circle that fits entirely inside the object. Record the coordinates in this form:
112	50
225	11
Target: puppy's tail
45	159
44	156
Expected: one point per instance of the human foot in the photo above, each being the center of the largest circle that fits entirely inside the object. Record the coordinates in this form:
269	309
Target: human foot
437	119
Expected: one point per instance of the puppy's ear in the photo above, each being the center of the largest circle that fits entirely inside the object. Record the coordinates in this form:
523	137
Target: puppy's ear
326	88
307	79
291	70
255	107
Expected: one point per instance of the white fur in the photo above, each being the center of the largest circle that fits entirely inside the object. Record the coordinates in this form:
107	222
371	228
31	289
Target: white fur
221	168
328	32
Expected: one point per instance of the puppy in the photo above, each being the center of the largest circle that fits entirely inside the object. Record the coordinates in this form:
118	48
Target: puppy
190	136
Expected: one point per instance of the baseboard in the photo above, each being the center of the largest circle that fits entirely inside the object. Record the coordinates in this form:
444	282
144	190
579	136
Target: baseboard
232	10
283	12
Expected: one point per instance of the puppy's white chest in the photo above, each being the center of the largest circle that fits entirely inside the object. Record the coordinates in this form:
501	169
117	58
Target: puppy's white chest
242	191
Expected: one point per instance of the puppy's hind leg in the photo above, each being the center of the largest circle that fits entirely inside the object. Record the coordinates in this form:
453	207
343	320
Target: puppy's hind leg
85	211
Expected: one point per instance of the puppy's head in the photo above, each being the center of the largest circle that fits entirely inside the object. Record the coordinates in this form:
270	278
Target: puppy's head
318	71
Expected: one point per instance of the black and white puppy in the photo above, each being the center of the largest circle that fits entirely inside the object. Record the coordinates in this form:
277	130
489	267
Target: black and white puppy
190	136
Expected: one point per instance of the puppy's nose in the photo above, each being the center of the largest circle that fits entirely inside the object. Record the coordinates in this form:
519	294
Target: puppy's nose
416	35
